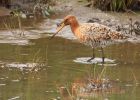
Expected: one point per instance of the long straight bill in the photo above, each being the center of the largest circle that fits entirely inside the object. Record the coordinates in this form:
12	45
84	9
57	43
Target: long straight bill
58	29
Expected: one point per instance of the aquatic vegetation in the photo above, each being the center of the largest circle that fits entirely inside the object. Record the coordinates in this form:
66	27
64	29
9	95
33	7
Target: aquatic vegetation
12	27
116	5
89	89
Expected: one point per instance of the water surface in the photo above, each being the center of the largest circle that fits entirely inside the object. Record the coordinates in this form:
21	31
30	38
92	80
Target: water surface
53	66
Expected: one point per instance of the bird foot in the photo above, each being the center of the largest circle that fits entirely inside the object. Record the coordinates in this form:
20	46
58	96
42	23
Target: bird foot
103	59
90	59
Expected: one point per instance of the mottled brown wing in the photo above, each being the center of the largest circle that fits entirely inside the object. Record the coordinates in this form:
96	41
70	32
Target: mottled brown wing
95	30
100	35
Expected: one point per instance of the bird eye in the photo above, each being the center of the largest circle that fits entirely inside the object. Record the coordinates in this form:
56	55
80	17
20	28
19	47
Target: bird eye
66	20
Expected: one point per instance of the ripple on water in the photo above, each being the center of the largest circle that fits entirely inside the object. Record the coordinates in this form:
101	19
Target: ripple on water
16	80
83	60
2	84
21	66
14	98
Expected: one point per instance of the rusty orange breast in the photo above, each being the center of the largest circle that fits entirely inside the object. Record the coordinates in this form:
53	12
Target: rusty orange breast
81	37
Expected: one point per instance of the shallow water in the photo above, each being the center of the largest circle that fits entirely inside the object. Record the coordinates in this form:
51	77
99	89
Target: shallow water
51	65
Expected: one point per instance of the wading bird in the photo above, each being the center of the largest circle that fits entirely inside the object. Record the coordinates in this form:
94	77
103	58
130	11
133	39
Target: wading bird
92	34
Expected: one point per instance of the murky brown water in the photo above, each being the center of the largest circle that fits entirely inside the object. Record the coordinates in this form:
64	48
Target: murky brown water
53	66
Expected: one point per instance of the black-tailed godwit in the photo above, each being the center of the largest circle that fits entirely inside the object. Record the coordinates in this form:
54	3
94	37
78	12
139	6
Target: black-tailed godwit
91	34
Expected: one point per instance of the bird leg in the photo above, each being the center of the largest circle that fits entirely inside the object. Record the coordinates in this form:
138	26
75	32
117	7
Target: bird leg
93	56
103	56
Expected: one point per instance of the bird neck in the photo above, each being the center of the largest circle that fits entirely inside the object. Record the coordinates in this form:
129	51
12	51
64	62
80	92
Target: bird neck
74	25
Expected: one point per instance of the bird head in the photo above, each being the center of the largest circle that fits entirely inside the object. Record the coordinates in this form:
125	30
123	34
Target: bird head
68	20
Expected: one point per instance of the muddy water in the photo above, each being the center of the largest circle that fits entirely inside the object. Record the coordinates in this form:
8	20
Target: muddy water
52	65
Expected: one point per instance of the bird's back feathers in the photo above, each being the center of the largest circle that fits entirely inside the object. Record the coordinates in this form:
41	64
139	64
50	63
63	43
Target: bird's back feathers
97	35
